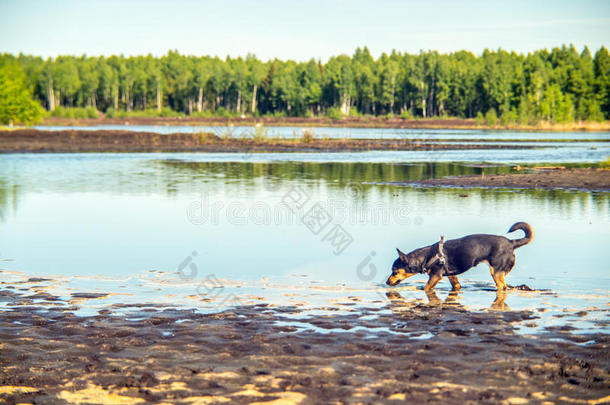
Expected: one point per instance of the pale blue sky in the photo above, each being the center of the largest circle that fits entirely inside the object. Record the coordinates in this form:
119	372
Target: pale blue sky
297	29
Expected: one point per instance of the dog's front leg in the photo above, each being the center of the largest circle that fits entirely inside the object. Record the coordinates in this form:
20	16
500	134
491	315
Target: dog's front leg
435	277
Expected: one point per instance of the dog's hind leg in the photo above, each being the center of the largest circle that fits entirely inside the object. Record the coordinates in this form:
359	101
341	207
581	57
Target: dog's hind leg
502	269
498	277
454	282
501	274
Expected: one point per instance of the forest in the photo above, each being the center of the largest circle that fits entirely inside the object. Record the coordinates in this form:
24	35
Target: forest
557	86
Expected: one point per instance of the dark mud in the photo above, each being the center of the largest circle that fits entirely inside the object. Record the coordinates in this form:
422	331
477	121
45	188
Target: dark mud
348	122
31	140
437	351
588	179
351	122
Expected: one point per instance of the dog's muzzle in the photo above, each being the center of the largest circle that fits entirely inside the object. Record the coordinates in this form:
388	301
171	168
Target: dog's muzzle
397	278
391	281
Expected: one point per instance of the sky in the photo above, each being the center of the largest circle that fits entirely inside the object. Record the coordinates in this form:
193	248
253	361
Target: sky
297	30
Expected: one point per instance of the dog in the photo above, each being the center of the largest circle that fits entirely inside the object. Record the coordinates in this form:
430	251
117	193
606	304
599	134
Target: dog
455	256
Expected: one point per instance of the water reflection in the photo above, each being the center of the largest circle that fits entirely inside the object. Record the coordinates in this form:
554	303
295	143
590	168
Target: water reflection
369	177
338	173
355	181
453	299
9	198
238	131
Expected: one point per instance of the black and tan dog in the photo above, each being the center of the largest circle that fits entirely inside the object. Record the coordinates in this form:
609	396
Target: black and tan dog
455	256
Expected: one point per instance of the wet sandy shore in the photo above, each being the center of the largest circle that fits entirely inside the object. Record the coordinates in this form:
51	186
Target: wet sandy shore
434	351
589	179
31	140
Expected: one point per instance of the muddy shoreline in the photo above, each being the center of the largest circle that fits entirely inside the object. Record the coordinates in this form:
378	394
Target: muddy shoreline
422	351
347	122
587	179
31	140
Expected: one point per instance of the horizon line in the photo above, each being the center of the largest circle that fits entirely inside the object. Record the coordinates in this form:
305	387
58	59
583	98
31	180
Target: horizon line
317	59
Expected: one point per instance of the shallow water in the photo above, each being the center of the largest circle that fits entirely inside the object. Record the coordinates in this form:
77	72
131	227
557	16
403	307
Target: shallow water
338	132
550	147
208	231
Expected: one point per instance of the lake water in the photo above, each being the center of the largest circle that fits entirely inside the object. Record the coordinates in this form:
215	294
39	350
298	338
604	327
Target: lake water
551	147
339	132
207	231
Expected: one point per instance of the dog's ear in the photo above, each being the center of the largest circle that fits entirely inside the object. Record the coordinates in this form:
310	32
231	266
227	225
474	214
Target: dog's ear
402	256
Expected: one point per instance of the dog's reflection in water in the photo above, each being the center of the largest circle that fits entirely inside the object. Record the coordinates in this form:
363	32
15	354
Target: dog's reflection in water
499	303
452	299
433	300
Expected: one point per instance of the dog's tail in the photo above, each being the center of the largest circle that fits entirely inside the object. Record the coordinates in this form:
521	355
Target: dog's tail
527	229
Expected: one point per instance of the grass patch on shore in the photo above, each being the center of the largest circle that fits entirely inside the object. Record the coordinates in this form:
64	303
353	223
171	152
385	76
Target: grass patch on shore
546	126
152	113
605	164
73	112
223	118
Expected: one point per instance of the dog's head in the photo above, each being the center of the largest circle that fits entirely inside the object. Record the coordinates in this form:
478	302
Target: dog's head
402	268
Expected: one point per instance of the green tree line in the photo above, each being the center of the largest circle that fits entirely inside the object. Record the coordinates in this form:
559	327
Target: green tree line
560	85
16	103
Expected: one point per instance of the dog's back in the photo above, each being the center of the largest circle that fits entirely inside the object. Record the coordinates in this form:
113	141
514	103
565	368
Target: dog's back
468	251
